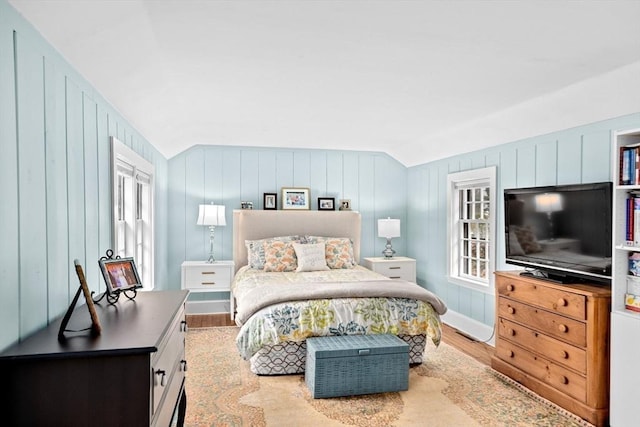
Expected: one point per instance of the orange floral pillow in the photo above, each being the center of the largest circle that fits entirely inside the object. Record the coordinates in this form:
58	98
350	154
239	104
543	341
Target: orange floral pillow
338	251
279	256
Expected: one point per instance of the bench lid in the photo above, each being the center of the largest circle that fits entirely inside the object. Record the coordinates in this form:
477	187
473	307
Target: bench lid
355	345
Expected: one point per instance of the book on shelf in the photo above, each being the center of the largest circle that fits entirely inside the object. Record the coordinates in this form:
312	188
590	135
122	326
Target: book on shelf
632	217
629	165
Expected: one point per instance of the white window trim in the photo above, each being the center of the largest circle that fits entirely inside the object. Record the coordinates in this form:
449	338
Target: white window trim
121	154
487	176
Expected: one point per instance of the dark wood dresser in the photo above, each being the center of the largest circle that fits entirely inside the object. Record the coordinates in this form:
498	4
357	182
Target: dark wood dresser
554	339
130	375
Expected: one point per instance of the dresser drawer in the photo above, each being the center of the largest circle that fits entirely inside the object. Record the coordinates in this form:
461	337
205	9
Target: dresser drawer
207	277
555	350
563	302
552	324
167	364
544	370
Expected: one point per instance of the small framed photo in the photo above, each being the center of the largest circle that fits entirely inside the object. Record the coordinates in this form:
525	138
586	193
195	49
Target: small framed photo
326	204
270	201
295	198
120	274
345	204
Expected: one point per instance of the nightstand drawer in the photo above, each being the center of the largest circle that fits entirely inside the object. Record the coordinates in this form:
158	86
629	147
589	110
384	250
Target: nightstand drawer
395	268
200	277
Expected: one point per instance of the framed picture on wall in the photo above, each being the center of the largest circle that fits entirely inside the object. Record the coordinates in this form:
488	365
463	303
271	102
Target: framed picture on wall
120	274
270	201
296	198
326	203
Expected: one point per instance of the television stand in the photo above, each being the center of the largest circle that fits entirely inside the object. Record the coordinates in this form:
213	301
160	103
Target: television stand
543	275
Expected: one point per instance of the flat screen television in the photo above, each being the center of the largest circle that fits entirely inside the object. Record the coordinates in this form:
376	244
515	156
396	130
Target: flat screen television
560	233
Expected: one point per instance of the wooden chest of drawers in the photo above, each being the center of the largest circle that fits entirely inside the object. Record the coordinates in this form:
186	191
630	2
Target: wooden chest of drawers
554	339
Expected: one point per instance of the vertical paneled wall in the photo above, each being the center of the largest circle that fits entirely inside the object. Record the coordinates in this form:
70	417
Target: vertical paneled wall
577	155
55	188
374	182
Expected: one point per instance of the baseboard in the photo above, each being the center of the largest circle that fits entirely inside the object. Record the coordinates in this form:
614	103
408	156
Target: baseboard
207	307
472	328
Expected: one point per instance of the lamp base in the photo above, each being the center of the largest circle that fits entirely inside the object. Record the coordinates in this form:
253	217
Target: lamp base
388	251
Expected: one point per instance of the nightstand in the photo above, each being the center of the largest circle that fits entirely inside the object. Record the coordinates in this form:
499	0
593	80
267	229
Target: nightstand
201	276
397	267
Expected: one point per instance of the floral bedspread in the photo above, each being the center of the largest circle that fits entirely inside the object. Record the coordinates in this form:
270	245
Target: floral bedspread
298	320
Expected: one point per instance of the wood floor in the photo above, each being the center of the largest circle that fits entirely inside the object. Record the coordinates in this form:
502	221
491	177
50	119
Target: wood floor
478	350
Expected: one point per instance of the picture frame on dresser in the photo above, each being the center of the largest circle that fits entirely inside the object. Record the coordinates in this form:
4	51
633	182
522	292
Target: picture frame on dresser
295	198
120	274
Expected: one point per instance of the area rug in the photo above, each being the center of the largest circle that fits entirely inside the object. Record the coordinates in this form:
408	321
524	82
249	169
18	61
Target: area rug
448	389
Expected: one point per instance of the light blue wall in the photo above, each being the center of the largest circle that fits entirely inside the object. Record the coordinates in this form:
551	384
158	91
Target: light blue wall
374	182
578	155
55	180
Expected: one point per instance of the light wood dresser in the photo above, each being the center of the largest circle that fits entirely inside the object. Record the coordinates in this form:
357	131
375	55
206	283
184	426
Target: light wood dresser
554	339
132	374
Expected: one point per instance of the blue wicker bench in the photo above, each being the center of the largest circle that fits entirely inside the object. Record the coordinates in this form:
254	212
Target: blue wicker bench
349	365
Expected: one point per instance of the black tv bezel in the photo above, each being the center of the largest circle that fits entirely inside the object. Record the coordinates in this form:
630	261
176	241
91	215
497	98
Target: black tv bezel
553	273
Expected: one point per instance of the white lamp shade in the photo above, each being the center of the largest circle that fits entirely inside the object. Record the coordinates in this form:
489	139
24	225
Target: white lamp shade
388	228
211	215
548	202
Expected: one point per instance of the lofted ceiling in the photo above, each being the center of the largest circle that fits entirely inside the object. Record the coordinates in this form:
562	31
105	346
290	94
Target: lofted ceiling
387	76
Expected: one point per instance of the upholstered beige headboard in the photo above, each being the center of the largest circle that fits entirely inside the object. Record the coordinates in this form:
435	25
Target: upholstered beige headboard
259	224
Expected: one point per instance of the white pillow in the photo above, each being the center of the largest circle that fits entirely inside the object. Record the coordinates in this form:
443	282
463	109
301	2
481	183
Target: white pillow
311	257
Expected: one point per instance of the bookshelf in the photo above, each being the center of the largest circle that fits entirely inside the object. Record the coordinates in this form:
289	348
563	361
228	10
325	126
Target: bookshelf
625	322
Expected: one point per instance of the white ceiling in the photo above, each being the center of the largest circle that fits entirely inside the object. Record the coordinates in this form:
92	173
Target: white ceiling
365	75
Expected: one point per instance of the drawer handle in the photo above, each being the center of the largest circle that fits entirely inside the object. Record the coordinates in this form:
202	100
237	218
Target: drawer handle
183	326
565	355
162	374
562	302
510	287
563	328
511	332
394	277
511	310
564	380
394	268
208	283
511	353
364	352
183	364
208	272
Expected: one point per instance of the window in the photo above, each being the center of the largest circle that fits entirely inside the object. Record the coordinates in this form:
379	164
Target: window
133	209
471	228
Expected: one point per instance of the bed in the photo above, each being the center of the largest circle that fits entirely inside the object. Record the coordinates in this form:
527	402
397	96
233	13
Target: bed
278	306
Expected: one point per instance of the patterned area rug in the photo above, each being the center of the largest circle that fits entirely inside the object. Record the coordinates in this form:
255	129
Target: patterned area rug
449	389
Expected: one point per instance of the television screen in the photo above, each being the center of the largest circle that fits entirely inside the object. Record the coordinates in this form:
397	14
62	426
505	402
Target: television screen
562	233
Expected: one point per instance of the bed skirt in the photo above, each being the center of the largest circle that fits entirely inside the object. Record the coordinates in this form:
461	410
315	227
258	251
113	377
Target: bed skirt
290	357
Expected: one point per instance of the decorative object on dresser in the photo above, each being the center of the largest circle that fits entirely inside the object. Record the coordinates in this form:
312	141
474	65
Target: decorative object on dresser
95	327
120	275
205	277
388	228
345	205
395	268
131	374
295	198
213	216
326	204
270	201
554	339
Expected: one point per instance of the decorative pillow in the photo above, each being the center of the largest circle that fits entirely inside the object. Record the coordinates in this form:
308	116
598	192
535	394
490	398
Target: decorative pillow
311	257
255	249
279	256
338	251
527	239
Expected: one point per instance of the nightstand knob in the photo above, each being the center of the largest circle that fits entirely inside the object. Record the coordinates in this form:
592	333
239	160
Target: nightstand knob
511	310
510	287
563	328
562	302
